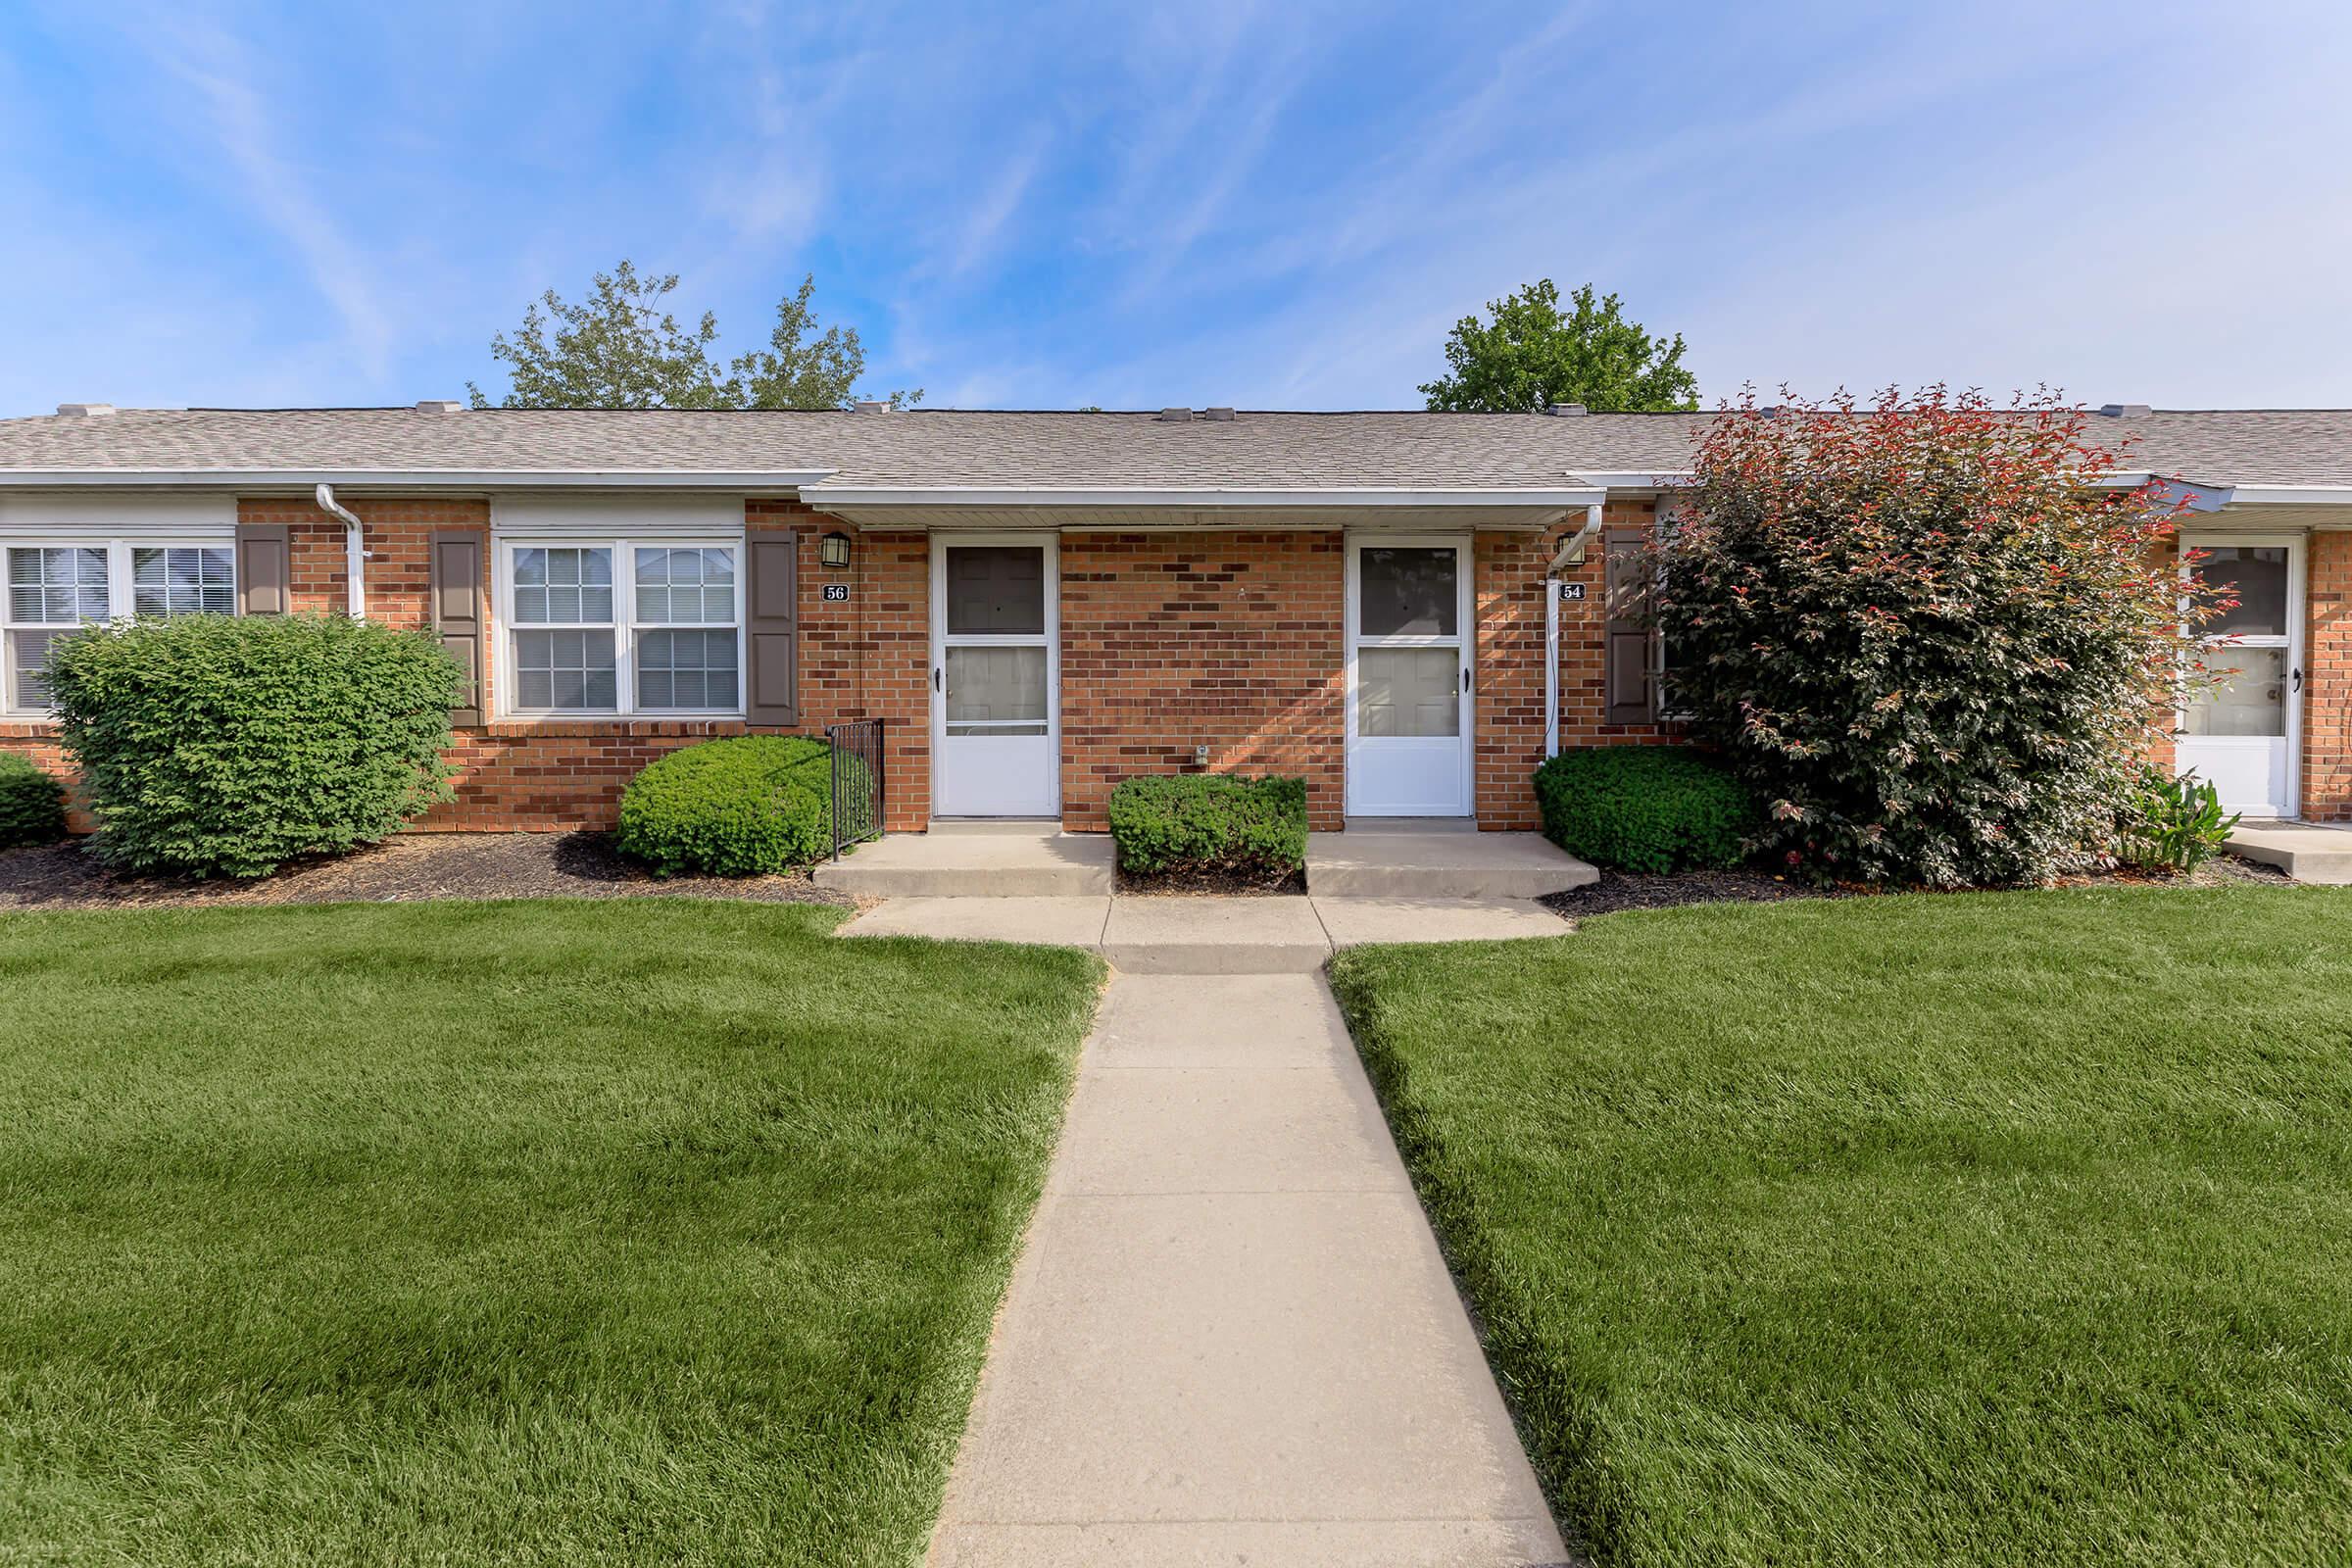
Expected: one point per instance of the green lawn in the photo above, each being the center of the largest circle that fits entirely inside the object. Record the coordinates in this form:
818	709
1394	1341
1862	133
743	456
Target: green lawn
566	1233
1989	1229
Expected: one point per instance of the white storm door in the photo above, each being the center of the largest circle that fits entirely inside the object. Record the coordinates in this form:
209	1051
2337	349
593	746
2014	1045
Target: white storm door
2244	736
995	672
1408	677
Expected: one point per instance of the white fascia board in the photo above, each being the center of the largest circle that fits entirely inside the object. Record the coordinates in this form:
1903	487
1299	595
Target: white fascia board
1196	497
414	478
1632	479
2289	495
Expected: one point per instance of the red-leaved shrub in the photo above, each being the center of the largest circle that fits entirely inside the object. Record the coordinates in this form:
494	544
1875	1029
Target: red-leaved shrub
1932	635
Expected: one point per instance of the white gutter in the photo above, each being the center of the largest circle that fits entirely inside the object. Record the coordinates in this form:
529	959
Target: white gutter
354	557
1191	497
1572	545
422	479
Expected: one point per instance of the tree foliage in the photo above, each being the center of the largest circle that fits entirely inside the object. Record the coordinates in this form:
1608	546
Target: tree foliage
623	348
1925	634
1531	355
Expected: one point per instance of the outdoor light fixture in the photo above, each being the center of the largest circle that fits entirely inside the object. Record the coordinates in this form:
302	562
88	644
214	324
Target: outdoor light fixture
833	550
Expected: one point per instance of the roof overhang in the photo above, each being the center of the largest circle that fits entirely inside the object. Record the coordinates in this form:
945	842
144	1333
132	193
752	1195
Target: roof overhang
410	482
922	508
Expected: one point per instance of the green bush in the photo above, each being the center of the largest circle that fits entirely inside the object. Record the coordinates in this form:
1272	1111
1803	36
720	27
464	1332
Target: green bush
2171	822
32	804
1210	822
744	807
230	744
1645	807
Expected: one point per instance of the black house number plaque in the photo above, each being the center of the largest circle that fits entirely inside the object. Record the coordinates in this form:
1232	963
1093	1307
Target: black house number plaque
836	591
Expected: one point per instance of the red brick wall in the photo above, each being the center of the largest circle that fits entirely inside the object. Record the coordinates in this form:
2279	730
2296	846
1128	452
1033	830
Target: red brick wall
869	656
2327	680
1172	640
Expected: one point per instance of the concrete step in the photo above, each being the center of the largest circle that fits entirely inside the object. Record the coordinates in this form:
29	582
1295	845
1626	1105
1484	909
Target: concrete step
1441	864
1206	934
1175	933
1001	862
2304	851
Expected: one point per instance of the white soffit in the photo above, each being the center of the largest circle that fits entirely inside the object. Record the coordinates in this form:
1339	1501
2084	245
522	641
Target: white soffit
89	516
619	514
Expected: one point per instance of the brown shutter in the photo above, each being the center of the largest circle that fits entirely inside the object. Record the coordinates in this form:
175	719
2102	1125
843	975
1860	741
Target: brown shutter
1629	684
773	608
458	613
264	569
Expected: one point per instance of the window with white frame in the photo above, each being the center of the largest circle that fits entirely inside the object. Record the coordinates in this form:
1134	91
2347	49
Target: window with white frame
57	587
622	626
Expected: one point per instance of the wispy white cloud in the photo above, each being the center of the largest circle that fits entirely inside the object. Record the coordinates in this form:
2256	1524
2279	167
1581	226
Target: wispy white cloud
218	66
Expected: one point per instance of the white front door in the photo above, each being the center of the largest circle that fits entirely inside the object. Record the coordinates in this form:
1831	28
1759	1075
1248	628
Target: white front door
994	671
1408	677
2244	736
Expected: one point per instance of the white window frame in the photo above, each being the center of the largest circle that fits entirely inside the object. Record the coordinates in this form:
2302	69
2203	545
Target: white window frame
120	593
625	628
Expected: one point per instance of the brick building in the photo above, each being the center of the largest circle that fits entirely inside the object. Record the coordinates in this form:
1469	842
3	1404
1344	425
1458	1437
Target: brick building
1405	609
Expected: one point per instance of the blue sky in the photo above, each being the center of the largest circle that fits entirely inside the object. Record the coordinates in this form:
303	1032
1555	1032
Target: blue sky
1277	205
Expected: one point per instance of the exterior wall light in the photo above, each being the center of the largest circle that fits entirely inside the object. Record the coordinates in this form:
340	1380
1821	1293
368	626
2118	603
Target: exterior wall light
833	550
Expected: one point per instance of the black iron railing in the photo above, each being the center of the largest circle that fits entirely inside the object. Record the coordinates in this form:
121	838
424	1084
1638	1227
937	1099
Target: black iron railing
858	781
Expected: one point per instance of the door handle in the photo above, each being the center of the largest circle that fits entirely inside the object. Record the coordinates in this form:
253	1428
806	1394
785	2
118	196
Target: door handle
1466	684
2298	686
935	686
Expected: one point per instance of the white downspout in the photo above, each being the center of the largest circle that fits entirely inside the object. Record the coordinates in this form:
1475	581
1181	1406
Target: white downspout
353	555
1571	554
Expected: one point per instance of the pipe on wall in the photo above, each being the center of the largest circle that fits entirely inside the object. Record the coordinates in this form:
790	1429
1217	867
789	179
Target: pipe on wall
1571	553
355	555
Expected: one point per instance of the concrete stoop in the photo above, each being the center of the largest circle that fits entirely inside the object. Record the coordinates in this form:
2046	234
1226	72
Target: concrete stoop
1207	934
991	860
2303	851
1441	863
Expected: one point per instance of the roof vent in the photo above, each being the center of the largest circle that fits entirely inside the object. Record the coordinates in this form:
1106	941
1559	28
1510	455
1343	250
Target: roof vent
440	406
1175	415
873	405
2125	411
1565	410
84	411
1216	413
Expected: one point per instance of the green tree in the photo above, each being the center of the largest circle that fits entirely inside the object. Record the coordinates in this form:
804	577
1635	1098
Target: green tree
1531	355
620	348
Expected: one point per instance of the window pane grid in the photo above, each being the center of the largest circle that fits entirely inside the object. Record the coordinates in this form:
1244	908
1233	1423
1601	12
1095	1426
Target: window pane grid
566	587
56	585
176	580
688	669
685	587
664	638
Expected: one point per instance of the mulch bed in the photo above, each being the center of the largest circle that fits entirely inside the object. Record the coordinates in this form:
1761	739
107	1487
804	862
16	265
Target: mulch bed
1639	890
423	866
1243	883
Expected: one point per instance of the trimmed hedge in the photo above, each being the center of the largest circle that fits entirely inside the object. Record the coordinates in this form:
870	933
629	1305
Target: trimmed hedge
225	744
743	807
1210	822
32	804
1645	807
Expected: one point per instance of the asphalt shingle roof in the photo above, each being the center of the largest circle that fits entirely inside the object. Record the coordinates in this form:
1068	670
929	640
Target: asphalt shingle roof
1057	450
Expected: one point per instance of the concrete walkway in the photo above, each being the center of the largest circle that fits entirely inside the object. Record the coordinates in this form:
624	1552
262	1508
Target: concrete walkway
1230	1338
1209	934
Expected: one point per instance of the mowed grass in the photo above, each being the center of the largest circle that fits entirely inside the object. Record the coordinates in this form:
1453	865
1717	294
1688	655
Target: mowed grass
1962	1230
578	1233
